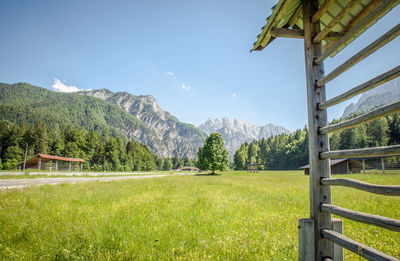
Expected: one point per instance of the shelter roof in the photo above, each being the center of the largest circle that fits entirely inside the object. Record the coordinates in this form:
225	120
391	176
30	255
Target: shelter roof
333	162
45	158
343	19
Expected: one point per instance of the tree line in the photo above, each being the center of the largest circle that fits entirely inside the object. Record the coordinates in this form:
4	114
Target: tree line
100	151
290	151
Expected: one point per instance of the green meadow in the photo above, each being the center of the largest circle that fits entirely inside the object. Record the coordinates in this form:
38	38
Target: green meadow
232	216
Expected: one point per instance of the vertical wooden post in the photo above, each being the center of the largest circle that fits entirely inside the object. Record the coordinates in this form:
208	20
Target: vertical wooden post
26	152
337	226
56	165
306	239
363	166
317	143
40	163
383	166
70	166
348	166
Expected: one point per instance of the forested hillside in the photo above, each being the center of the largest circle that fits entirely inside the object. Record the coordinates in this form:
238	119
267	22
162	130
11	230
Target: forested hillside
290	151
99	151
23	103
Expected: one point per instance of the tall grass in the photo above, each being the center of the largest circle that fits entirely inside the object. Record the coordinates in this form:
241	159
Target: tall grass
227	217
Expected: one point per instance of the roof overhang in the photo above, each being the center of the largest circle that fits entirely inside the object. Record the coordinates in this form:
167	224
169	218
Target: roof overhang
339	19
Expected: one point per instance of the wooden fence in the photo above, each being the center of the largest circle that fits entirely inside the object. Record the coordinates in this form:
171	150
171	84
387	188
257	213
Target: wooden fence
321	237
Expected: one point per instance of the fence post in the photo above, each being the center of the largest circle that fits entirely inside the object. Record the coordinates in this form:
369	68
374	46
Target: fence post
306	239
337	226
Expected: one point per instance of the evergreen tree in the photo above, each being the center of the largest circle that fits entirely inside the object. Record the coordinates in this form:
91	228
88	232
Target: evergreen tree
213	155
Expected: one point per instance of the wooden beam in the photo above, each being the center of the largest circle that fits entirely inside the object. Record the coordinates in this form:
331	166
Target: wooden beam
288	33
388	190
365	52
364	118
364	12
317	143
379	221
335	20
375	82
393	150
321	10
356	29
356	247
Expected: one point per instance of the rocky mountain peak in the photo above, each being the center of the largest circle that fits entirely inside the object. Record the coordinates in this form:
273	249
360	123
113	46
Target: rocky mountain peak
235	132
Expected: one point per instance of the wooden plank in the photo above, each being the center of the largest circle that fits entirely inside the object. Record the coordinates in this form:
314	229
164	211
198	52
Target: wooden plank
375	82
295	16
321	10
379	221
350	5
393	150
356	29
306	239
364	12
356	247
362	119
317	143
381	41
388	190
288	33
337	226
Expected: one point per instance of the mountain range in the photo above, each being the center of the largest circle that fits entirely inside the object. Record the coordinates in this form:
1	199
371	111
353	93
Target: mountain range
384	94
236	132
122	114
140	118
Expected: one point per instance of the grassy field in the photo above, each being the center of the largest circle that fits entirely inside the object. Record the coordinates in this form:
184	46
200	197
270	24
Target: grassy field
226	217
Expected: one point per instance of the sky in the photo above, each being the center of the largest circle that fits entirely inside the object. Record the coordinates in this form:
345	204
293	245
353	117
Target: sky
192	56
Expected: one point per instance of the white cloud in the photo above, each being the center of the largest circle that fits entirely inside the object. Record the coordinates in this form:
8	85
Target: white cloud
186	87
234	95
61	87
169	73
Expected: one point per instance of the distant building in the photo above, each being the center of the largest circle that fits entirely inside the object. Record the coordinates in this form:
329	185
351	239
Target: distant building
355	165
50	162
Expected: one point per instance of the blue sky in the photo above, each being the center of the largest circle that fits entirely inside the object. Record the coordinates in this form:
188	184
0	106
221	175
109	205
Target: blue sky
192	56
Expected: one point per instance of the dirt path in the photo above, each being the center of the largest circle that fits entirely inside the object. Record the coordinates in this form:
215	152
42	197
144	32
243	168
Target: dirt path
20	183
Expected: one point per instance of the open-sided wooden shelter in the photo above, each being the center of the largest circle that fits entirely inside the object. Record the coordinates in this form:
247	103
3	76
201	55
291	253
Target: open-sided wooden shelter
50	162
328	26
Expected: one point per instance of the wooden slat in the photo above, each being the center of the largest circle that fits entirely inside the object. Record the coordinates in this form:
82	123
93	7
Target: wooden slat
357	28
393	150
356	247
388	190
288	33
381	79
365	11
367	117
351	4
381	41
379	221
295	16
322	10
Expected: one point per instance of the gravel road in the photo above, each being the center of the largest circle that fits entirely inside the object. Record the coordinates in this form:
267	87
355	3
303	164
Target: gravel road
20	183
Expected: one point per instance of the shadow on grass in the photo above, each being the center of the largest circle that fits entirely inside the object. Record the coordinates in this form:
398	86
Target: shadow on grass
206	174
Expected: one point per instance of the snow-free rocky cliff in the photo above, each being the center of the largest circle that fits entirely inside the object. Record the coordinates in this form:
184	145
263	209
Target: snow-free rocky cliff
236	132
174	137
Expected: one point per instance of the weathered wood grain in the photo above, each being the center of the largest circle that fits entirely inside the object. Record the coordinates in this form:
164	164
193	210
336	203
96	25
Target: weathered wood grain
356	247
388	190
388	223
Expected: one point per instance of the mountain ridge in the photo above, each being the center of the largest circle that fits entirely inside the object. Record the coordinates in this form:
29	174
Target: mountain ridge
235	132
